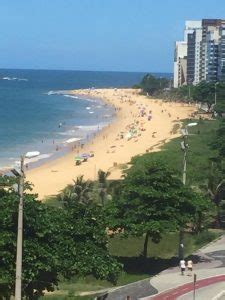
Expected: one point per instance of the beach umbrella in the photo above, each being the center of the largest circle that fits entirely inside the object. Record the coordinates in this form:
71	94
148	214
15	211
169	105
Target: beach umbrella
85	155
78	158
129	135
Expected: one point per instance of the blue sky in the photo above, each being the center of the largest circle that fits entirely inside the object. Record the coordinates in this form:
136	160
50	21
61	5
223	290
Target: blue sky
116	35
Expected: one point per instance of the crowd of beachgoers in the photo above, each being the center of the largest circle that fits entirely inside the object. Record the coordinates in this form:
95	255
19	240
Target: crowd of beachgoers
142	125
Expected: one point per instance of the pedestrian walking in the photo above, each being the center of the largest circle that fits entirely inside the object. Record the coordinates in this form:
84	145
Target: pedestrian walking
182	266
190	267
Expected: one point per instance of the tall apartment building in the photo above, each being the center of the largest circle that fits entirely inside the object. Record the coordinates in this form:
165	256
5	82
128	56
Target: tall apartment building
193	36
180	64
221	62
205	48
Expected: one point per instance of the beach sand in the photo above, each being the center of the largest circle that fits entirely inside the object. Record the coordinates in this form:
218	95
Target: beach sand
114	145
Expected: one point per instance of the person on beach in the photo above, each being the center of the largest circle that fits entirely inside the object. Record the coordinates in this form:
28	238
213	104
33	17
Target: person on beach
182	266
190	267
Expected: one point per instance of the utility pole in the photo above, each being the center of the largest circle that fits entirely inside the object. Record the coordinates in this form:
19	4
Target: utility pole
195	279
215	102
189	92
19	250
184	148
185	162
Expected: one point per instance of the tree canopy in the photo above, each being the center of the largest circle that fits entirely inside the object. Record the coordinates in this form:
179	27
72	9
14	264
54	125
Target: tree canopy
154	201
151	84
57	242
204	92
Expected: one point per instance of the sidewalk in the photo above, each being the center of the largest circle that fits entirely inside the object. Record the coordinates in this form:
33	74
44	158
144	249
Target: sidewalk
209	266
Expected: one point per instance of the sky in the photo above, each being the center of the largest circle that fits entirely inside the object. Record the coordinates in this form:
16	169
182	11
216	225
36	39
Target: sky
100	35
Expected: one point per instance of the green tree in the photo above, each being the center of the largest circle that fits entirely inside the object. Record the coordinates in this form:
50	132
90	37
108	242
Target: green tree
103	185
57	242
220	95
218	142
216	181
150	84
216	177
80	191
154	201
204	92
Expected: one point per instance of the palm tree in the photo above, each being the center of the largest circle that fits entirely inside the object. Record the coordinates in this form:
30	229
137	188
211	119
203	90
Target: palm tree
102	184
215	186
78	192
216	182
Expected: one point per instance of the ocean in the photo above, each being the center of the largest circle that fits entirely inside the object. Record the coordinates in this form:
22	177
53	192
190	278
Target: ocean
35	115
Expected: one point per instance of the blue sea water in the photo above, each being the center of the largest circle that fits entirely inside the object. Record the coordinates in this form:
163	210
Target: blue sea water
32	118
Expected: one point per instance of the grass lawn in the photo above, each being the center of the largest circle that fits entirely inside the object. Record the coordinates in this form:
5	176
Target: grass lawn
165	249
199	153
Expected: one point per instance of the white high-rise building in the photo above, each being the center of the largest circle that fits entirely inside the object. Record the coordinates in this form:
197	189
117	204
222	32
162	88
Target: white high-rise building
180	61
221	65
193	36
205	52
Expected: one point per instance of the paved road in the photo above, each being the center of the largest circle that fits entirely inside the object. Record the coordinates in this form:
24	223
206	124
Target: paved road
135	290
219	256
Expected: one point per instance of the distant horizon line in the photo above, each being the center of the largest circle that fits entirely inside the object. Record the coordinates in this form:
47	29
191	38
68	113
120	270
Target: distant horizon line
43	69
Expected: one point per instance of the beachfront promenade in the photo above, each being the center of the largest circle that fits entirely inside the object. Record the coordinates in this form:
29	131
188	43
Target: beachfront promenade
209	266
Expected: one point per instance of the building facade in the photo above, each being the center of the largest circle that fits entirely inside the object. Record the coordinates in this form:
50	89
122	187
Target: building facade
180	64
221	62
205	48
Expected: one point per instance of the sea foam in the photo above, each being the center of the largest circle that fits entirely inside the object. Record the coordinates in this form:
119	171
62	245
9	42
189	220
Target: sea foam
14	78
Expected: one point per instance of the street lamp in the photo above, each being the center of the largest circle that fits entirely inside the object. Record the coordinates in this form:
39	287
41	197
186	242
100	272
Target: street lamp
19	246
160	83
171	83
189	89
20	174
184	148
216	92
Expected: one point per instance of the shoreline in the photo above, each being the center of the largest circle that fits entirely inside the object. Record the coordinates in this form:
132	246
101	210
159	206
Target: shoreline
54	148
65	147
141	125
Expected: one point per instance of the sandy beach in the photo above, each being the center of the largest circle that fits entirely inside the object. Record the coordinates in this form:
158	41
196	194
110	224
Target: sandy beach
142	125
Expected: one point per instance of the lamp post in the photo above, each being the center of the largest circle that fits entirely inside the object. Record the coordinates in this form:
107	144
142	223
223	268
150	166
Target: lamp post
189	89
189	92
160	82
184	148
20	174
19	246
215	97
171	83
